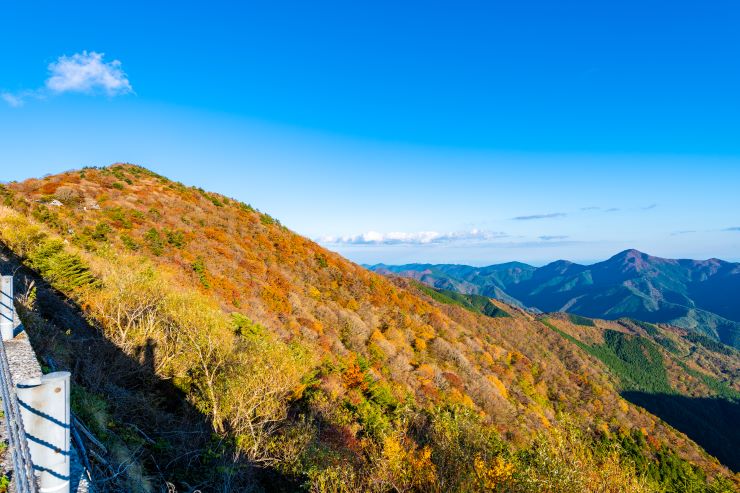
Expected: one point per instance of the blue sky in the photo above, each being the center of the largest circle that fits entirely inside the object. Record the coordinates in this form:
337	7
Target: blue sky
469	132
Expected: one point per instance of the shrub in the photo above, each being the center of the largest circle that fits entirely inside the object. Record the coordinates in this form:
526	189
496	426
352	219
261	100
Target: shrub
129	242
65	271
254	407
175	238
154	241
199	267
101	232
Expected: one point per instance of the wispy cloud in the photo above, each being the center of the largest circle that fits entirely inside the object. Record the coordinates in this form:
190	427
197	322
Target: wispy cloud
540	216
552	237
690	231
414	238
85	72
18	99
617	209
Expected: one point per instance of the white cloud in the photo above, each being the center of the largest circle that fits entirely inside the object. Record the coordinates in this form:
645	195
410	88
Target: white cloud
88	73
85	72
14	100
413	238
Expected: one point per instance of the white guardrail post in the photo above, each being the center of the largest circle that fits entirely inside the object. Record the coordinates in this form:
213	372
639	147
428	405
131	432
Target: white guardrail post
7	319
23	475
37	412
44	405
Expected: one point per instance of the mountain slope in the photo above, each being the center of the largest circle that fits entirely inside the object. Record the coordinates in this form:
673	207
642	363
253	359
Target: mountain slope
689	381
313	373
697	295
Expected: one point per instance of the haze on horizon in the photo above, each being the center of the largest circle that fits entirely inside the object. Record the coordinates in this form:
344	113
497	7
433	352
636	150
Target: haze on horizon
471	133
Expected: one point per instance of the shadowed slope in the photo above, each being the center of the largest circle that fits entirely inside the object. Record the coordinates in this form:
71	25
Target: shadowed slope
710	422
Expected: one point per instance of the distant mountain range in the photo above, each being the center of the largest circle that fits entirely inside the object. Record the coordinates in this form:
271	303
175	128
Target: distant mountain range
701	295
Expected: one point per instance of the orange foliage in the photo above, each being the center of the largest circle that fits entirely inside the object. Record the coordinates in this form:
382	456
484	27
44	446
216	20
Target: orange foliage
49	188
354	377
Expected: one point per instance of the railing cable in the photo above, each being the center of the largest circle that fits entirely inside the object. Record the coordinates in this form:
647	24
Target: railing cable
23	476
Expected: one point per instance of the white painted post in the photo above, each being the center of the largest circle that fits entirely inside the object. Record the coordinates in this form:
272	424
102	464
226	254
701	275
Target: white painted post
7	320
44	404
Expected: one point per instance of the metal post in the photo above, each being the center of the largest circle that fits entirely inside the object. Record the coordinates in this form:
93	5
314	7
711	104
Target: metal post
6	308
44	404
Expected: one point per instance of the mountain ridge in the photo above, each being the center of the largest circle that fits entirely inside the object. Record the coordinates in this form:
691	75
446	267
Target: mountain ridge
629	252
694	294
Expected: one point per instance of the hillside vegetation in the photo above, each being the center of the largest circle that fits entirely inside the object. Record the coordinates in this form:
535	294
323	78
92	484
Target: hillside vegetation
688	380
309	372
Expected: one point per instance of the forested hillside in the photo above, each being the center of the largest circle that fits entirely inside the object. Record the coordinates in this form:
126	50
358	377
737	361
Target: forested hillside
238	355
690	381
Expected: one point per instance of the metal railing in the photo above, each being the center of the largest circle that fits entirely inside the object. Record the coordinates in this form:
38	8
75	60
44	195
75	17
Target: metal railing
37	411
23	476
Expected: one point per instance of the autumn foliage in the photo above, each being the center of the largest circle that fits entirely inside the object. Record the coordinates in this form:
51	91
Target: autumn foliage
316	370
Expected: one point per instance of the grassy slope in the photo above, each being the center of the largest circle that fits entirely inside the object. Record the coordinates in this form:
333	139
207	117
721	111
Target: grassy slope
407	344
